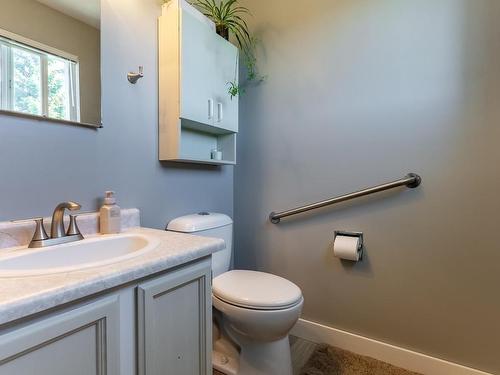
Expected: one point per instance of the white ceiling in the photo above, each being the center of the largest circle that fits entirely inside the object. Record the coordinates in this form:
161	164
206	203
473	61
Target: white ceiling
88	11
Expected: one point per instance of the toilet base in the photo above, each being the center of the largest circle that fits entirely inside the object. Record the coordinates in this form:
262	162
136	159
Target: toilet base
264	358
225	364
236	354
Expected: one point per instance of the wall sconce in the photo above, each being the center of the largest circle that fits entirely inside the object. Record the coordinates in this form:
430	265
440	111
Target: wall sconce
134	77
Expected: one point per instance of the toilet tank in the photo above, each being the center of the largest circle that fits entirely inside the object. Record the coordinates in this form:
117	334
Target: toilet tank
208	224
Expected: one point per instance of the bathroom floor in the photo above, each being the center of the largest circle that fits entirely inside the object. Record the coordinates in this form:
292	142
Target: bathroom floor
301	351
309	358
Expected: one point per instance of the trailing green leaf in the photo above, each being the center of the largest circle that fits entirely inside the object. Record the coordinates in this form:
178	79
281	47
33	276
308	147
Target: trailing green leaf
235	89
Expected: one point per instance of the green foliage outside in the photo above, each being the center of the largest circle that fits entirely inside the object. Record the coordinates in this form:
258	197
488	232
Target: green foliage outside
27	82
58	100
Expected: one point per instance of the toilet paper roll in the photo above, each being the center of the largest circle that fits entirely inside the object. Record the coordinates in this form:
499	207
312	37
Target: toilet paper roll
347	247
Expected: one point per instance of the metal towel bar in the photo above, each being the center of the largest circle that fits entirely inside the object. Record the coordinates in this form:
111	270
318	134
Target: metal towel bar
411	181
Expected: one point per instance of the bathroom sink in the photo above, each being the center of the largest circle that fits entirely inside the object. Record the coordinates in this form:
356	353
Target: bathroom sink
88	253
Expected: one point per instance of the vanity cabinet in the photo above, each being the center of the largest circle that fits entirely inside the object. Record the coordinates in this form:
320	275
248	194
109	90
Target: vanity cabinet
174	316
161	325
196	112
81	341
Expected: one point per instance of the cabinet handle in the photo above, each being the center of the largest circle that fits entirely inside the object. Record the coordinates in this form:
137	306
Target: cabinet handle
210	109
219	112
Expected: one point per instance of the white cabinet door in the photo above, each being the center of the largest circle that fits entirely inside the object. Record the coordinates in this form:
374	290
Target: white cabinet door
174	314
81	341
197	66
226	71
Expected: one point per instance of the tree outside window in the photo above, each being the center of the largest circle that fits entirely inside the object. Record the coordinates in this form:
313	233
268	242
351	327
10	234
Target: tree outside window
35	82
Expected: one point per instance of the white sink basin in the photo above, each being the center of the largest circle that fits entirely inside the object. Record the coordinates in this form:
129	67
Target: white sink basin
74	256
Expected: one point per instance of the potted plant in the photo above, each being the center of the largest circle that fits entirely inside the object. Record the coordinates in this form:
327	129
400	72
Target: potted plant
228	17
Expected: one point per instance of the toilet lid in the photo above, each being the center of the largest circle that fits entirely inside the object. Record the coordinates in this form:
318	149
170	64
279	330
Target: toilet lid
258	290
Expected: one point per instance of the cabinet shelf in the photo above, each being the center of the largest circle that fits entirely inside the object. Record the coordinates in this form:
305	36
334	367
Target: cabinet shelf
204	128
206	161
197	146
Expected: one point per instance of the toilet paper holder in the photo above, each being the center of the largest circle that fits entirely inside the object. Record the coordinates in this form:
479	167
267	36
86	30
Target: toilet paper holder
352	234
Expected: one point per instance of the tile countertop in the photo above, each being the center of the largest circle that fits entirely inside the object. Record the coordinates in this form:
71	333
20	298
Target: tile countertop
21	297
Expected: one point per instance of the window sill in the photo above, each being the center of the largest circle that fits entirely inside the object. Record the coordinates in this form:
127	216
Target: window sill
49	119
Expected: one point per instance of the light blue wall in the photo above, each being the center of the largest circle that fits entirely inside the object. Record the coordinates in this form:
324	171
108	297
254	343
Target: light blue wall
42	163
360	92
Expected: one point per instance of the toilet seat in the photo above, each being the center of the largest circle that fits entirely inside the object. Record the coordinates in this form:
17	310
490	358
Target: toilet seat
256	290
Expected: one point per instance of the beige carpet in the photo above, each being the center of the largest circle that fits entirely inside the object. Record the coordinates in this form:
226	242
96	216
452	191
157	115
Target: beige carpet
327	360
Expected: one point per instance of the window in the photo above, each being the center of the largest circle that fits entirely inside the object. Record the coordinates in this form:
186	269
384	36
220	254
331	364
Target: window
38	82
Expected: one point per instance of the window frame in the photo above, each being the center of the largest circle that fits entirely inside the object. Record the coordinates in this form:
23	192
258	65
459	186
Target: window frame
9	40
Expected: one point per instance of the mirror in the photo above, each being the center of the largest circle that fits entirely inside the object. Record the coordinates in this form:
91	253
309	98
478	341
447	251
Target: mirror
50	63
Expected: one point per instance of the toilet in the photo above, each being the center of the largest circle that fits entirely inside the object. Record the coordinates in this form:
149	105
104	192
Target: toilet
253	311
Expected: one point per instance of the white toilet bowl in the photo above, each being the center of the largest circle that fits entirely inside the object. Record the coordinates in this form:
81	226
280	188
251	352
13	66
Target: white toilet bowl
258	311
262	325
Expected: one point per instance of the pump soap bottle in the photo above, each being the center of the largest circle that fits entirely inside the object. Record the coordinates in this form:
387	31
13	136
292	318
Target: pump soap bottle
110	216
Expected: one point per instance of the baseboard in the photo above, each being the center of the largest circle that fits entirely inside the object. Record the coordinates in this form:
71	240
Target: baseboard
394	355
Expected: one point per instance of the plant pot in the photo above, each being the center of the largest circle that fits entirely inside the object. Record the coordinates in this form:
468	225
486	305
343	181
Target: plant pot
223	31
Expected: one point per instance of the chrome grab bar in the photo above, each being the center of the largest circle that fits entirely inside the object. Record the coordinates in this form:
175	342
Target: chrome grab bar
411	180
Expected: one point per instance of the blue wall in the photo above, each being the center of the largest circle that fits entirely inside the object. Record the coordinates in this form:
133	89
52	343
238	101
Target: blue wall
43	163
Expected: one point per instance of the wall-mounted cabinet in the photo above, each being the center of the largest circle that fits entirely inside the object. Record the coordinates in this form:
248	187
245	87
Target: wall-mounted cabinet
196	112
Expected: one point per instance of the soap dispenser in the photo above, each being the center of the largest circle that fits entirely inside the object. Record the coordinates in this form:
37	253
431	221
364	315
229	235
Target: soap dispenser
110	216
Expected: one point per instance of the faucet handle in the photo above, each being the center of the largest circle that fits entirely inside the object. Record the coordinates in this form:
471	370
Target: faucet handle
40	233
73	229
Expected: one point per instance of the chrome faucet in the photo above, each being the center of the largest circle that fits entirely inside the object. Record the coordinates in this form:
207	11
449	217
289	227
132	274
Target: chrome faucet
58	234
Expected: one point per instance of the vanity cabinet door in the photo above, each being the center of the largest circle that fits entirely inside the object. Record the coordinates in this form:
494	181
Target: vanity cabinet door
174	322
82	341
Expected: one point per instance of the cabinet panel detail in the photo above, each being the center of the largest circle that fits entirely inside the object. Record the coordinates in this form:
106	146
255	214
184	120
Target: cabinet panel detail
84	340
174	318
